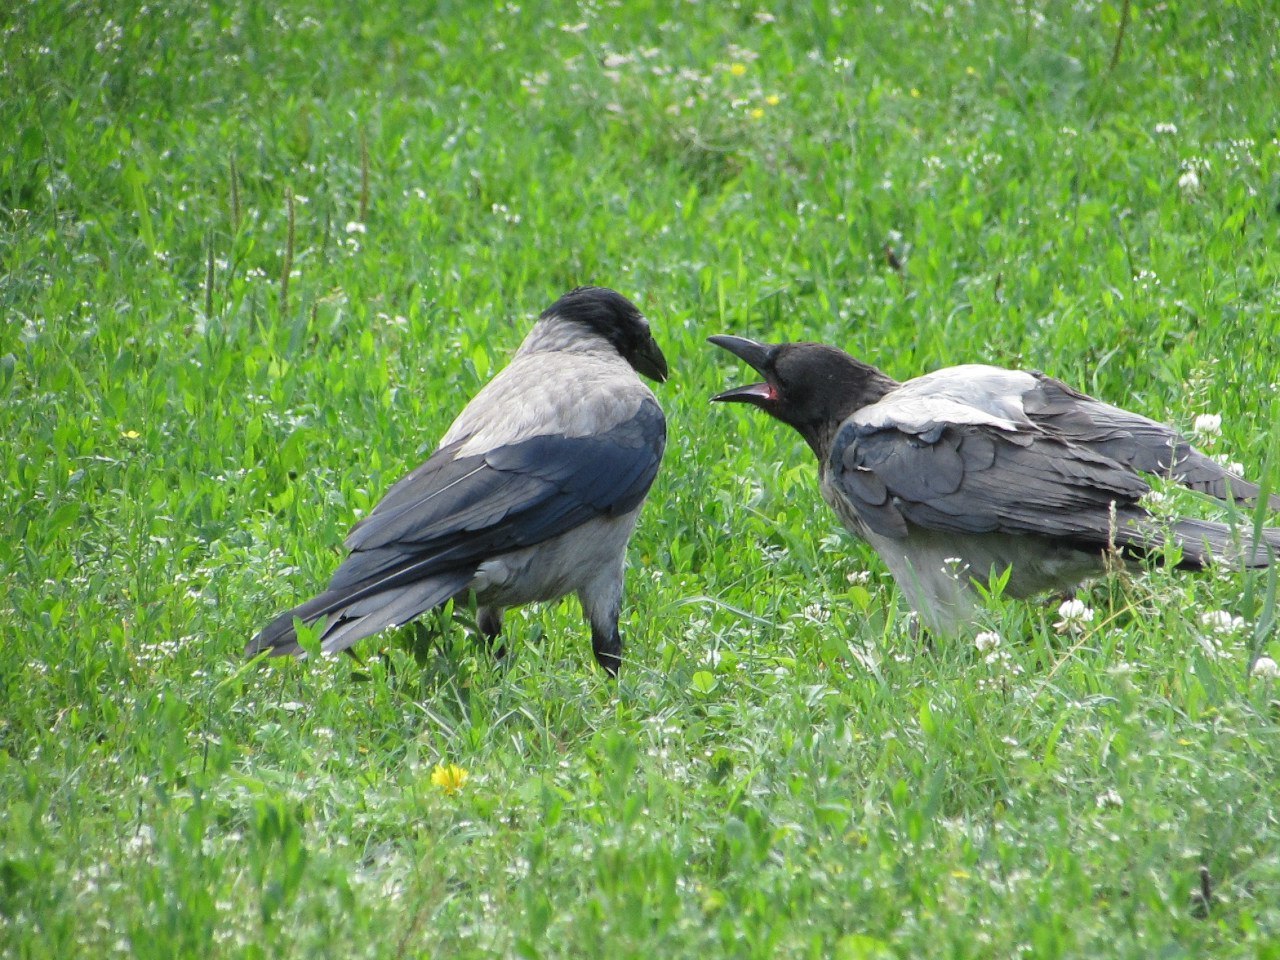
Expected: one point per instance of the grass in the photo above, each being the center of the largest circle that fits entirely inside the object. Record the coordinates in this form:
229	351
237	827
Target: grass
254	259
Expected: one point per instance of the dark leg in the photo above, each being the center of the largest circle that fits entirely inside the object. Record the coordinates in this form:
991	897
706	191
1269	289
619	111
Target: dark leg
602	602
607	646
489	621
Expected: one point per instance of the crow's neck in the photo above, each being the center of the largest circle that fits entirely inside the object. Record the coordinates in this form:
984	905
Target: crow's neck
820	427
554	334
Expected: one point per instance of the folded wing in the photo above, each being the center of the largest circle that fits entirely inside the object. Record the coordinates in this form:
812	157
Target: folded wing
974	478
1132	439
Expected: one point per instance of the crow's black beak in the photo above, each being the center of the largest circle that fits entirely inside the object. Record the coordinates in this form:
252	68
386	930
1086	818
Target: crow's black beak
650	361
760	356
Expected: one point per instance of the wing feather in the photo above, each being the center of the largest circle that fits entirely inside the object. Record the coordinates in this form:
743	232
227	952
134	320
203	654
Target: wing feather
459	511
1132	439
976	478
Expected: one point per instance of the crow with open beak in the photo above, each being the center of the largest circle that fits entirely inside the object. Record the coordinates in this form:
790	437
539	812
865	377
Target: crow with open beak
973	470
532	494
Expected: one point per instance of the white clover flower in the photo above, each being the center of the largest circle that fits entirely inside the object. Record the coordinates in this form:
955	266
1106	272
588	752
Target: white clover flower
1266	668
1189	183
1075	615
1208	424
1170	128
987	640
1221	621
1109	799
816	613
355	226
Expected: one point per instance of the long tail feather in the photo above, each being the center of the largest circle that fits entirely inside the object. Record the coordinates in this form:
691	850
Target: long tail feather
354	613
1204	541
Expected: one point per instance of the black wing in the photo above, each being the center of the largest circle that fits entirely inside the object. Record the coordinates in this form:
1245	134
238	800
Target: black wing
970	478
453	512
1131	439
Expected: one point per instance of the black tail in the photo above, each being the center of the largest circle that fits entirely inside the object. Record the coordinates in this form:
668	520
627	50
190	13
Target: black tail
1204	541
356	612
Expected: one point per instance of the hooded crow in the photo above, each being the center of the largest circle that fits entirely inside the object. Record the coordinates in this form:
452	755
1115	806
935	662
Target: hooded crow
974	470
532	494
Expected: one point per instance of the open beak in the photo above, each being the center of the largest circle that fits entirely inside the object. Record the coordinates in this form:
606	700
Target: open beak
760	356
650	361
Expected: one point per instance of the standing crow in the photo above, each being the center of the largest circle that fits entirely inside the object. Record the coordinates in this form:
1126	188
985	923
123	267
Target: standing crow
972	470
531	495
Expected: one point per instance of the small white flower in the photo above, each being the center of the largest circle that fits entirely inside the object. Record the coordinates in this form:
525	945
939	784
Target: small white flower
1074	609
1109	799
1266	668
1220	621
815	613
1170	128
355	226
987	640
1074	616
1208	424
1189	183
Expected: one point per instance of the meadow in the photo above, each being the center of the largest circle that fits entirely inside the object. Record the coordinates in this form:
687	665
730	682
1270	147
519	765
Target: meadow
253	259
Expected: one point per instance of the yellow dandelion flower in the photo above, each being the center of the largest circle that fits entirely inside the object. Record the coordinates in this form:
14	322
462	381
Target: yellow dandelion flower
738	69
773	99
130	434
449	777
757	113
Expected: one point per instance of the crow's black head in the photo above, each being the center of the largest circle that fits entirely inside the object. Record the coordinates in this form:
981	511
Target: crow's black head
614	317
809	386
